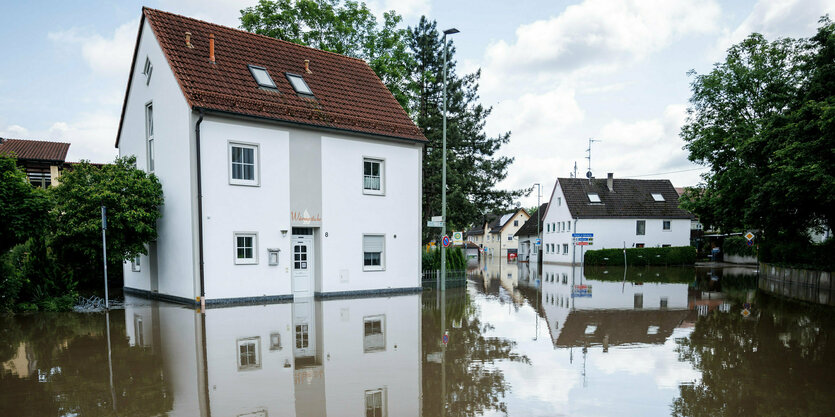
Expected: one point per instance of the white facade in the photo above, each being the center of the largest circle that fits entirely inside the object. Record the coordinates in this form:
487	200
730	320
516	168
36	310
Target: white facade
298	359
559	225
306	180
498	243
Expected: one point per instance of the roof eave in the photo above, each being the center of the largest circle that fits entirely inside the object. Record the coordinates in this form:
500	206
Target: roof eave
130	77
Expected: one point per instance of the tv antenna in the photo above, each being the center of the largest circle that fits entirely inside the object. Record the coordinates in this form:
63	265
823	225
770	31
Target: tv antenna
588	173
574	174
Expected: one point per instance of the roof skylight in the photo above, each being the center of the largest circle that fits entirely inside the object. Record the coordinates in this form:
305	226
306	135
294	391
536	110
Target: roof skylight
298	84
262	77
594	197
657	197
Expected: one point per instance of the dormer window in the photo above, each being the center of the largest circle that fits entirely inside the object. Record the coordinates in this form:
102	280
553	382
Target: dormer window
262	77
657	197
299	85
594	197
148	70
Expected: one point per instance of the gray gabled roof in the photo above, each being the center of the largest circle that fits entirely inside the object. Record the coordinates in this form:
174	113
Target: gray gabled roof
630	199
529	228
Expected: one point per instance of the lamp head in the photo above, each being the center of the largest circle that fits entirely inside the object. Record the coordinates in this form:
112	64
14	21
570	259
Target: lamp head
451	31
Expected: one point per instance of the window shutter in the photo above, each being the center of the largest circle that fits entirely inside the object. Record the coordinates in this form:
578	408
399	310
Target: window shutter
372	243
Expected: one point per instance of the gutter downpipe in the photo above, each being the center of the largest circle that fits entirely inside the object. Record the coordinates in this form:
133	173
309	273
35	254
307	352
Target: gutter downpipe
200	211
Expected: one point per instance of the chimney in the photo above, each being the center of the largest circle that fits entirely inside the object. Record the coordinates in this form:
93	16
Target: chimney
212	47
610	182
307	66
188	40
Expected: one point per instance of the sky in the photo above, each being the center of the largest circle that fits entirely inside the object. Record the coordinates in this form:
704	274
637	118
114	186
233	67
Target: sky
556	73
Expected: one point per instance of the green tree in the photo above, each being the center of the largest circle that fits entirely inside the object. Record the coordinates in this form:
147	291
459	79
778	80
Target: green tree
347	28
133	199
762	122
24	210
473	168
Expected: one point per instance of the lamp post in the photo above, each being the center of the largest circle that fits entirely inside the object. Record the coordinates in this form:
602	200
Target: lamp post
538	206
450	31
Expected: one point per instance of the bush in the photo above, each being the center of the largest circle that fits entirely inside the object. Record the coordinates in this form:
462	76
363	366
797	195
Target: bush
33	279
738	245
797	253
680	255
455	259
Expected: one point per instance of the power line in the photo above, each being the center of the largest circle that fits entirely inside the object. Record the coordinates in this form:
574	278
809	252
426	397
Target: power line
664	173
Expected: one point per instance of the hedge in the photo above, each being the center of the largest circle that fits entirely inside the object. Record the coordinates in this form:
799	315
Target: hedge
738	245
455	259
679	255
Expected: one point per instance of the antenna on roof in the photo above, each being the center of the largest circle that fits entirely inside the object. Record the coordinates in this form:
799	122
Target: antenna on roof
574	174
589	174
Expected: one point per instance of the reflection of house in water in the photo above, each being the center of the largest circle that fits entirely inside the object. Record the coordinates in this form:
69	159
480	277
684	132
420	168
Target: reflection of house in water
497	273
310	358
580	311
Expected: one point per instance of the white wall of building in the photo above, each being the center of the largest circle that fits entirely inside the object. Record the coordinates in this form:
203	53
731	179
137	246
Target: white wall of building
227	209
348	213
173	166
608	233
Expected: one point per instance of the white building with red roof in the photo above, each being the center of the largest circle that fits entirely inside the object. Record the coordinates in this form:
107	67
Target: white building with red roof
287	171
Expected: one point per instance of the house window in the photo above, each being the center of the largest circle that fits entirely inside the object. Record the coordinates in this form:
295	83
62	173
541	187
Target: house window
641	227
249	353
275	341
565	278
243	164
559	201
374	336
594	198
667	225
246	248
372	176
149	135
664	302
373	250
516	222
639	245
666	245
565	248
134	264
299	84
510	237
638	300
262	77
569	225
657	197
147	70
553	227
302	336
375	403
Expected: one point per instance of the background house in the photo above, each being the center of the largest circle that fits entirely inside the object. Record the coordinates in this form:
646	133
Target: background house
528	233
42	161
501	237
617	212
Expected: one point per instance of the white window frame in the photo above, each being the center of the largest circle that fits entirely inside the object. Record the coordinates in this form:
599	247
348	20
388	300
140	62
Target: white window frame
256	157
135	265
382	162
147	70
383	401
247	341
382	266
245	261
637	222
149	135
565	248
382	319
668	223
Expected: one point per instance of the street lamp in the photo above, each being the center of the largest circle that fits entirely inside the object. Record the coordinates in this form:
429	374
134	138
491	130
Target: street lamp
538	206
450	31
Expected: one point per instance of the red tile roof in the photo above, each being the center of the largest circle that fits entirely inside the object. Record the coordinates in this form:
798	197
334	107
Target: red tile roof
348	94
40	150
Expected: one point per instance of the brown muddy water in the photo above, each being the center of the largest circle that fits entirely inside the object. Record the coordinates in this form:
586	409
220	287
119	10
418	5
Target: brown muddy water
520	342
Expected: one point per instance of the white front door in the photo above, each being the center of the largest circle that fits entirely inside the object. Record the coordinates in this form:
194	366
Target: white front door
304	343
303	260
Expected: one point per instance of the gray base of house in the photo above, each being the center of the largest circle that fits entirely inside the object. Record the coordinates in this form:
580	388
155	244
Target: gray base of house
269	299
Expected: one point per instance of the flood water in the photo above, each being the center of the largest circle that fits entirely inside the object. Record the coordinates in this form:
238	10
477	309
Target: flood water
520	342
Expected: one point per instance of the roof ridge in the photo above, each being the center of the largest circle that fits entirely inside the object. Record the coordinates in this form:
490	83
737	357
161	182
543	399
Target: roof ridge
37	140
144	8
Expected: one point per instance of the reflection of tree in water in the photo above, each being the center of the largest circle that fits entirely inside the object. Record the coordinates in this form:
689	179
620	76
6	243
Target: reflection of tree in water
473	383
779	362
67	354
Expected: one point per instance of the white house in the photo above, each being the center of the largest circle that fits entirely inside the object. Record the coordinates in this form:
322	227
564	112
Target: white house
501	233
527	235
305	358
617	212
287	171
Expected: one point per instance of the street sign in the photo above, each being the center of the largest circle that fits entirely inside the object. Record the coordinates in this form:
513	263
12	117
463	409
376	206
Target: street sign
445	338
582	235
581	291
749	236
746	312
433	223
437	218
457	238
538	242
445	241
749	242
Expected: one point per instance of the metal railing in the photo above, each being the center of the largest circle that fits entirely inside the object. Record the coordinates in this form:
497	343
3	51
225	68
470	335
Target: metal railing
454	278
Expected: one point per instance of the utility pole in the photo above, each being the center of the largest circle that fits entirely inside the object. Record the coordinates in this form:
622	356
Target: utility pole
104	253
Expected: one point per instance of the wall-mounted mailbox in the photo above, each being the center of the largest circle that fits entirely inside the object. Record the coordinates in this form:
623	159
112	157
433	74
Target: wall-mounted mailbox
273	256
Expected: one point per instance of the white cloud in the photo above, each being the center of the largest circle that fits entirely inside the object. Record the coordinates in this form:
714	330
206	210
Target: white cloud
406	8
106	55
14	132
776	18
601	34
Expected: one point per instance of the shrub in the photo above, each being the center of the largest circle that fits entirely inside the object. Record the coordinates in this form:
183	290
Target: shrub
738	245
455	259
680	255
799	254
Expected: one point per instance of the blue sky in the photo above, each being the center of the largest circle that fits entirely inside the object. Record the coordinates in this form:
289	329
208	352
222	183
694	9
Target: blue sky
556	72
